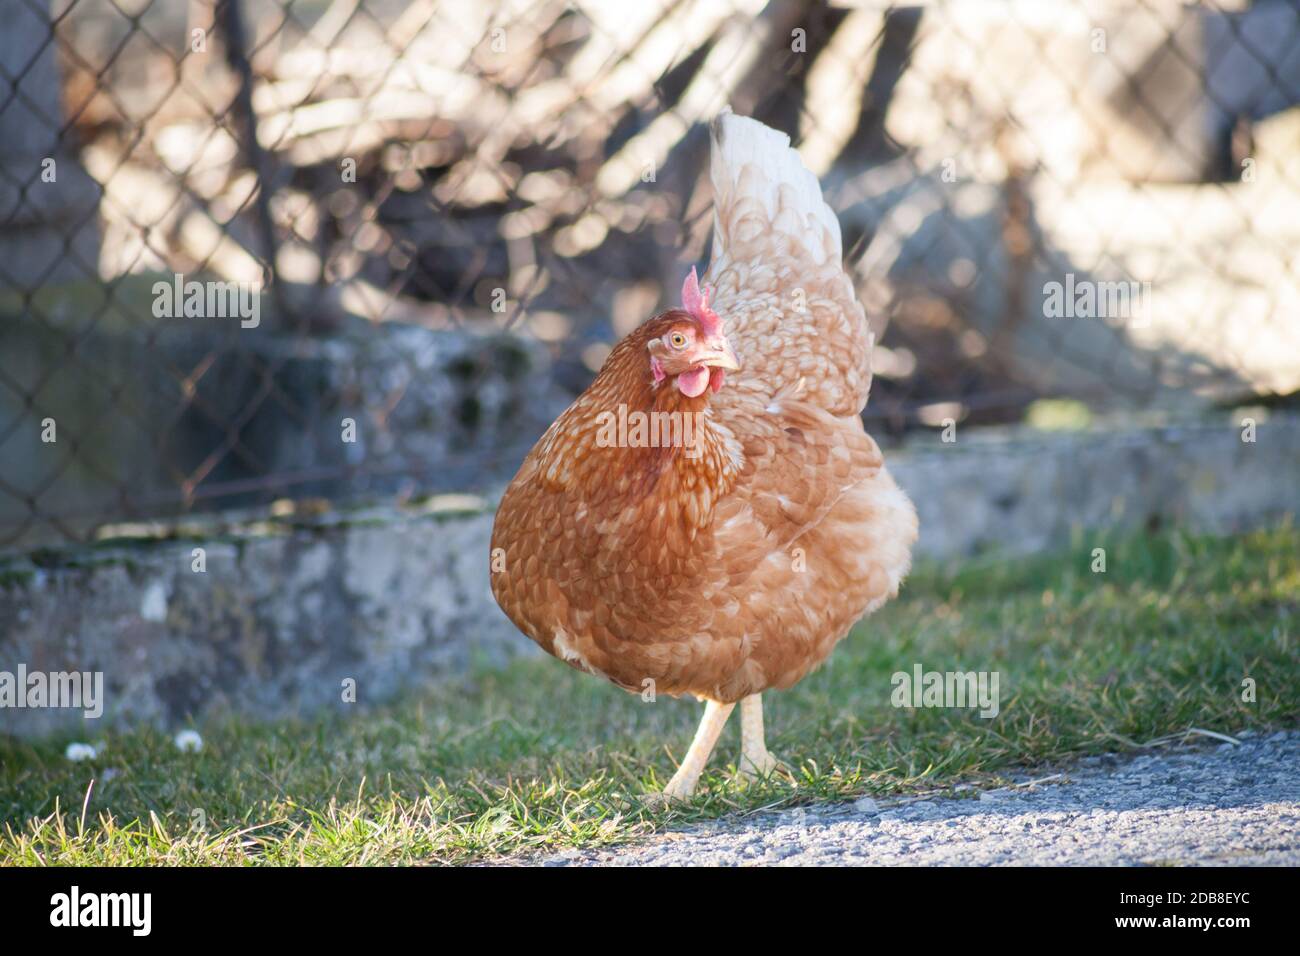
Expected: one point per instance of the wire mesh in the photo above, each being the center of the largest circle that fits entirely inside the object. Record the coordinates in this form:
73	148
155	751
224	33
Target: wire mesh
338	250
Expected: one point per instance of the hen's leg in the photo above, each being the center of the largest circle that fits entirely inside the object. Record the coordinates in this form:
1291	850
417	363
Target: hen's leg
755	761
688	774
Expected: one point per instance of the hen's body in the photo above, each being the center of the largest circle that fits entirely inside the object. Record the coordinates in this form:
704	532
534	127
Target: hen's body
735	565
722	575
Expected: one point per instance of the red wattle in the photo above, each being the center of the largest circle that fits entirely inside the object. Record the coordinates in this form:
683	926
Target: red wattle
693	381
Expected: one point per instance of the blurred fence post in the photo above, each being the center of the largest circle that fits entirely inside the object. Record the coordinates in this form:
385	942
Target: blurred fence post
230	21
47	202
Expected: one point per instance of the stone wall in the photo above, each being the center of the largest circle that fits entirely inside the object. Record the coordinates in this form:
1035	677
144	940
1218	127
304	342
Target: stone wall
288	609
449	406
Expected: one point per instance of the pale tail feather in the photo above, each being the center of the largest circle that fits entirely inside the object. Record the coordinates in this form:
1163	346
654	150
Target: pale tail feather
777	273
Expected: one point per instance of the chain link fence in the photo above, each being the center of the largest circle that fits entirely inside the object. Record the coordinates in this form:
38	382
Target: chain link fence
293	253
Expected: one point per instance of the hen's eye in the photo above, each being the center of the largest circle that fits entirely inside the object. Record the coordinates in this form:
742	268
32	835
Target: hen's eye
678	340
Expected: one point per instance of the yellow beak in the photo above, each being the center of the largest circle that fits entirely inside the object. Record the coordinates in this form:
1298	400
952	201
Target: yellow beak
720	354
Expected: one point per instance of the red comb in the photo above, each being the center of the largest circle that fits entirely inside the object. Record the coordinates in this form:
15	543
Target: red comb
697	304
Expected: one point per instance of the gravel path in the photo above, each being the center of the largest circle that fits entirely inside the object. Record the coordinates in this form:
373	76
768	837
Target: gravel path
1227	805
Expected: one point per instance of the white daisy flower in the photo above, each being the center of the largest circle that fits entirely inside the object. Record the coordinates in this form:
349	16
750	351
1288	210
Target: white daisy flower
80	752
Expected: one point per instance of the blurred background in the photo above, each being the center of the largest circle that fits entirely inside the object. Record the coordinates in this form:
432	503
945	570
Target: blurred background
453	208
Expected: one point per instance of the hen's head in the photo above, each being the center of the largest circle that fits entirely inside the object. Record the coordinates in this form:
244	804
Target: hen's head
686	347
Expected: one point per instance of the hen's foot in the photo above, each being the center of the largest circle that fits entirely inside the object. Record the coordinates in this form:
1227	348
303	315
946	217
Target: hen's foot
675	793
755	761
682	785
756	766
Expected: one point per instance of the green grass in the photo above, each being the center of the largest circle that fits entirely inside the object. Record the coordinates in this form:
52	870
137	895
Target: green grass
539	757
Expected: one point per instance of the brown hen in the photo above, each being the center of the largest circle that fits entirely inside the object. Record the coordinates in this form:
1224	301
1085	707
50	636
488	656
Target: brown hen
681	529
